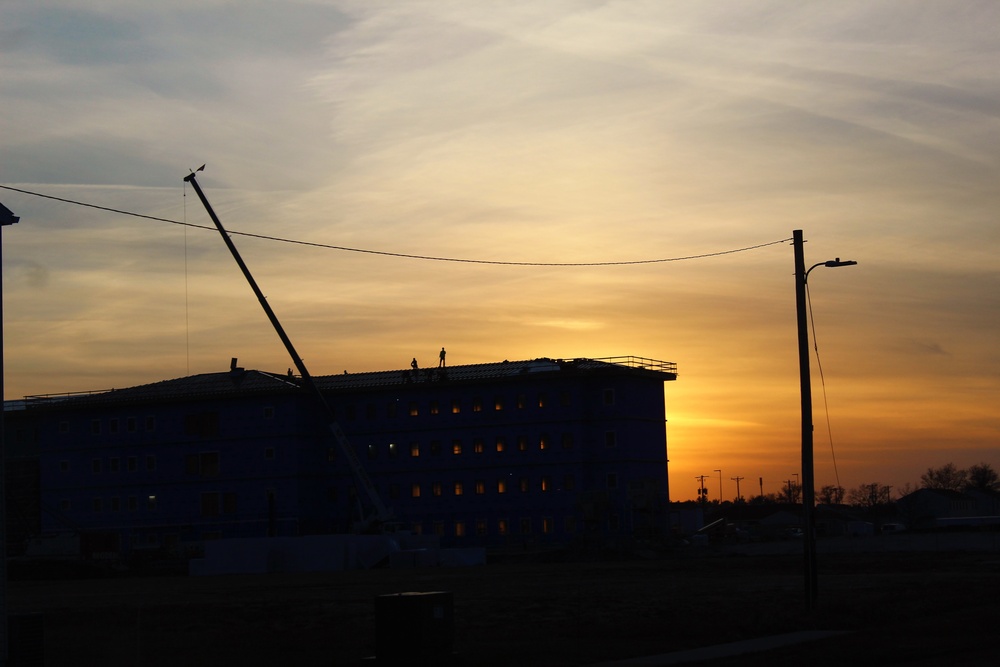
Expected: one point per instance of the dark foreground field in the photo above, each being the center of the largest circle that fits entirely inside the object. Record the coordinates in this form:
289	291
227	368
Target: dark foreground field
899	609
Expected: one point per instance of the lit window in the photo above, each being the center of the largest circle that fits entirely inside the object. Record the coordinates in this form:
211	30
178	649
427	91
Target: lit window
543	442
415	490
501	445
480	487
498	403
151	502
477	445
459	489
436	489
393	450
522	443
546	484
414	410
459	529
541	400
434	409
477	404
415	449
456	407
501	486
546	525
456	447
502	526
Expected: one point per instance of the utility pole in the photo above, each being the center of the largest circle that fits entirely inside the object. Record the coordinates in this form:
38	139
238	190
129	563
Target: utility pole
805	388
7	217
760	480
702	495
720	485
737	480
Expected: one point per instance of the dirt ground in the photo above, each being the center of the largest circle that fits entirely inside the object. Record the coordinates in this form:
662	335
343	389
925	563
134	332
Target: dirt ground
898	609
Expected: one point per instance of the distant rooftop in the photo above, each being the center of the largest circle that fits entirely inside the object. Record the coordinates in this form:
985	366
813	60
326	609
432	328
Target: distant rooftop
238	381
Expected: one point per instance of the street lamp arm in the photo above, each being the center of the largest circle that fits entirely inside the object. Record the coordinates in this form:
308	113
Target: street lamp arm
830	263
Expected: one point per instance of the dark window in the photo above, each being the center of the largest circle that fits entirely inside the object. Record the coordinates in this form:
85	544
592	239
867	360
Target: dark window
113	425
96	465
210	504
229	503
567	441
477	404
435	448
268	412
565	399
434	408
202	424
95	426
610	439
130	425
113	464
609	397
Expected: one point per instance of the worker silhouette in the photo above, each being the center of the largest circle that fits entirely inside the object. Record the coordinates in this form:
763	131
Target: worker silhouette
441	358
413	364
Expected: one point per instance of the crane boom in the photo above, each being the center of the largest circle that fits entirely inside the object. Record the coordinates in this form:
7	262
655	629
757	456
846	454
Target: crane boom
381	514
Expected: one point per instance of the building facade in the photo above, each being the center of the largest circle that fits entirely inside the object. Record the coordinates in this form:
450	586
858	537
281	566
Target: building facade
508	454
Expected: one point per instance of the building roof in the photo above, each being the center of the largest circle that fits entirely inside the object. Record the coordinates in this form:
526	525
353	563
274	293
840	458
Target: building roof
241	382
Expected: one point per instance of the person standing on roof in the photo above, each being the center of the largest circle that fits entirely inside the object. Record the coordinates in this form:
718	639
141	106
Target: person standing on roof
441	358
413	364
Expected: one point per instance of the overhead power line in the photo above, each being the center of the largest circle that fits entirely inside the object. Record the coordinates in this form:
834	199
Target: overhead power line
386	253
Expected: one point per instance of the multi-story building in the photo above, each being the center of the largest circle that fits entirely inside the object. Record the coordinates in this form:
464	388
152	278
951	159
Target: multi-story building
510	453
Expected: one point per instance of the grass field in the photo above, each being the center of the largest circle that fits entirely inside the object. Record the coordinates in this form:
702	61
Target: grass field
900	608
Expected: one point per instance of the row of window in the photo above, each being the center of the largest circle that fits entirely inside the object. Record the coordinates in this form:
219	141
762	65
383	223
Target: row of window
479	446
501	486
505	528
114	504
116	425
477	404
114	464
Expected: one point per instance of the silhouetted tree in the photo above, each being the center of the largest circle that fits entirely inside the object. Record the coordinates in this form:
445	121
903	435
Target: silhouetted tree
831	494
869	496
982	477
948	477
790	492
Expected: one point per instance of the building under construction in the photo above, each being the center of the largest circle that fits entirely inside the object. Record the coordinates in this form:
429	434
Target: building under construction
516	454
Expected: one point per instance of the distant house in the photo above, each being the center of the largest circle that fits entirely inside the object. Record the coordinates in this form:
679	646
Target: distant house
517	454
937	508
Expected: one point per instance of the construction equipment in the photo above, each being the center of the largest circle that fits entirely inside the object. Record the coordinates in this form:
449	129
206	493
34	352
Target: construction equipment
379	517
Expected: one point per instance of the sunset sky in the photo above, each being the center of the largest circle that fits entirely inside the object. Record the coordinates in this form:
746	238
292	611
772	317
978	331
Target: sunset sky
545	132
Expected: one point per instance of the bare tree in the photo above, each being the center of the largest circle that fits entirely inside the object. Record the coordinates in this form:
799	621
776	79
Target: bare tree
831	494
982	477
869	496
948	477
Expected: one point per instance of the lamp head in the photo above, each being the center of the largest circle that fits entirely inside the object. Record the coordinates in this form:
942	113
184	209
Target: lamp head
839	262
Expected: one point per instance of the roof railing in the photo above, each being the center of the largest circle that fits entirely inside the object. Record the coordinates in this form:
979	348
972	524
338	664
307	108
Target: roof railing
642	362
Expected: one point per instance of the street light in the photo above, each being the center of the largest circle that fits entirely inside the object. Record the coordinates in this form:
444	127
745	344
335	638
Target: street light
808	483
7	217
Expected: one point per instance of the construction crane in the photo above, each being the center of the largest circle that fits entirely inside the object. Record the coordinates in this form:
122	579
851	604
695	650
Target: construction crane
379	517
